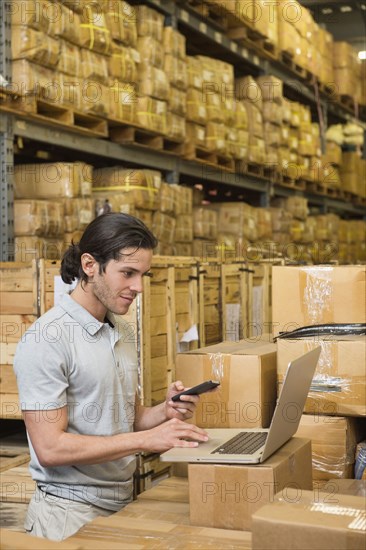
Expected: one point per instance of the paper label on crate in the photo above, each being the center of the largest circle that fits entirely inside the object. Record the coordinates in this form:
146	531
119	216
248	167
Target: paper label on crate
86	188
197	81
190	335
220	143
135	55
257	305
61	288
85	216
201	134
232	322
202	111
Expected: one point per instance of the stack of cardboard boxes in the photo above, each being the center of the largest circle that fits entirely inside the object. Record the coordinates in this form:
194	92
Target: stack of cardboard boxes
52	206
325	295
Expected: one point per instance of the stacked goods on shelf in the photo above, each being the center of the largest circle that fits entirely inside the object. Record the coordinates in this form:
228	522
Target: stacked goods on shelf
265	21
351	245
325	246
204	229
337	396
164	219
123	60
281	221
296	35
292	213
289	39
153	82
210	108
19	309
272	112
347	71
196	113
353	173
120	189
52	206
217	80
324	46
183	235
363	83
175	66
249	93
237	228
309	151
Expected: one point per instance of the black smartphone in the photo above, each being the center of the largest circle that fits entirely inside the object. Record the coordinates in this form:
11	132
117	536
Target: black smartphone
196	390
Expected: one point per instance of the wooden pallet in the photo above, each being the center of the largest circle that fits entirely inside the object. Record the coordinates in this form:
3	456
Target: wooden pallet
319	189
52	113
128	134
210	158
6	95
214	14
246	35
250	168
359	201
289	62
348	102
328	89
287	181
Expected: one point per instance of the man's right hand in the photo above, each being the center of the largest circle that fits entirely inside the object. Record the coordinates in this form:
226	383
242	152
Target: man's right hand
173	433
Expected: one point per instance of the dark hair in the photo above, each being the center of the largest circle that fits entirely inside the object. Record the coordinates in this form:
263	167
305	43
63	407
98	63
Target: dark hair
104	239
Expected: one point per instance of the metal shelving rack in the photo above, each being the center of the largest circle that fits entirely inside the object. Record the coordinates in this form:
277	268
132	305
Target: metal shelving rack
174	168
6	143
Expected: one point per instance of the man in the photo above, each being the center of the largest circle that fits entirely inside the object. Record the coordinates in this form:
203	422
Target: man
76	370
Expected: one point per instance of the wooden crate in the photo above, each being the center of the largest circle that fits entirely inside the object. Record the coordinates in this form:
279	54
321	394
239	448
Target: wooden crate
18	289
48	270
259	304
210	303
171	309
234	300
19	308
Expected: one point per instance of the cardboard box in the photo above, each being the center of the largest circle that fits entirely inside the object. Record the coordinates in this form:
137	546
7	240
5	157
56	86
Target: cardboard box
339	383
310	520
333	444
313	295
226	495
247	394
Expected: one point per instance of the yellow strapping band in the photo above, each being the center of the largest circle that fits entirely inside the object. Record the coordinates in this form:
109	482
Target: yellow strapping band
127	188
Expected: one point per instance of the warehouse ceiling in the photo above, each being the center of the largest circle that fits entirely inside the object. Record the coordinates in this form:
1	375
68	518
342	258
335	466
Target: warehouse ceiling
345	20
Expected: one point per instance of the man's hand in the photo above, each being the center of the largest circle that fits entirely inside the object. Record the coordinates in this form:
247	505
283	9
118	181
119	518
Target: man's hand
173	433
182	409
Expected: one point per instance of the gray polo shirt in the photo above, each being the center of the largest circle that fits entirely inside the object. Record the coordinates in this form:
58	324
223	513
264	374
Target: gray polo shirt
68	357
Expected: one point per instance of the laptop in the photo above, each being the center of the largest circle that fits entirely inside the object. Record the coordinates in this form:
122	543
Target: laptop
252	446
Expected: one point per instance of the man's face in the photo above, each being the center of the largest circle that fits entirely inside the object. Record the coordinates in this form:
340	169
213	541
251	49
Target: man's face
122	281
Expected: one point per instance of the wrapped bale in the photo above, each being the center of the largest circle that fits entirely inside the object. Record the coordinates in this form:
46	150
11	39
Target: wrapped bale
142	186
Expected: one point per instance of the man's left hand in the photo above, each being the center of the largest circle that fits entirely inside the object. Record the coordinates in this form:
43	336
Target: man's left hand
182	409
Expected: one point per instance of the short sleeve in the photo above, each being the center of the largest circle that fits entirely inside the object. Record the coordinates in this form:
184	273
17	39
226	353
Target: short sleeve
42	374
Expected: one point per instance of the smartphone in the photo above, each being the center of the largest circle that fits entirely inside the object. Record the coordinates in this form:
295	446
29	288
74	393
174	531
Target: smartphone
196	390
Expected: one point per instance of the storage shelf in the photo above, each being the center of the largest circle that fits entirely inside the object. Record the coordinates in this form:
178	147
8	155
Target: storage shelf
147	158
245	59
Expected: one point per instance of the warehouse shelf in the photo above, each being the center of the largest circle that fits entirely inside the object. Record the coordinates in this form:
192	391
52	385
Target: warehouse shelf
247	60
173	167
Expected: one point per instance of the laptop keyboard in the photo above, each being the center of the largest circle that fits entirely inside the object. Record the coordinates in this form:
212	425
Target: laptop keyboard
244	443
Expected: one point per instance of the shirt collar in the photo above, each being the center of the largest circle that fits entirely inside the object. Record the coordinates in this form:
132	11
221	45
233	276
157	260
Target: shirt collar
80	314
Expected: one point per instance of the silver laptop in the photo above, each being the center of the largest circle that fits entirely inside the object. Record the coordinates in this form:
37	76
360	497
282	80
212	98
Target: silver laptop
251	446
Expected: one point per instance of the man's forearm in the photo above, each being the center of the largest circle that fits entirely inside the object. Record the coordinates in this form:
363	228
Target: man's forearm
149	417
